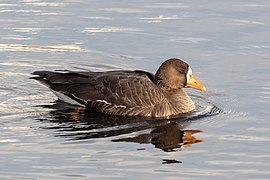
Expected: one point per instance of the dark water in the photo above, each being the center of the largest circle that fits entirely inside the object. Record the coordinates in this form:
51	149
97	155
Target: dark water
226	43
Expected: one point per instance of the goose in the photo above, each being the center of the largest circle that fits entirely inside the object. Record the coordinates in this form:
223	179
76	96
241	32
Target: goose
126	92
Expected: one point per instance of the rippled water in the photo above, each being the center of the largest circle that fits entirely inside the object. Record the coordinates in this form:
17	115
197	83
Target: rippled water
226	43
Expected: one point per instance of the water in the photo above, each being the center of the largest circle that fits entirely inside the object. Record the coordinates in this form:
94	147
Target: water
226	43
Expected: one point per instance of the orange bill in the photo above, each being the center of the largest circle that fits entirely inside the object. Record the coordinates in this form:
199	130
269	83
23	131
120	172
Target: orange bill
194	83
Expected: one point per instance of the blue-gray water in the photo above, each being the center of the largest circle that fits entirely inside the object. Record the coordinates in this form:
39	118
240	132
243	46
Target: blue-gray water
226	43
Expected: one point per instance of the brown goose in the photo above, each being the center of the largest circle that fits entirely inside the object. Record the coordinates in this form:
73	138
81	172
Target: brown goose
127	93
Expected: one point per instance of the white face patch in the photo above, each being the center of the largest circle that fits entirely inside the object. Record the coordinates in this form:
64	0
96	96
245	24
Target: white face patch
189	73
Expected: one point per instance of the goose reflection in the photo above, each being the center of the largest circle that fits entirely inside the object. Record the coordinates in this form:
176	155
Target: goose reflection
167	135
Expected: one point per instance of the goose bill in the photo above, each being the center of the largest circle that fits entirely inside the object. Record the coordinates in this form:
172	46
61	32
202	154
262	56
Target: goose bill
194	83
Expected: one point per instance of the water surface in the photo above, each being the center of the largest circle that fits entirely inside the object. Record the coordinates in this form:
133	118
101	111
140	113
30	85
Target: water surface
226	44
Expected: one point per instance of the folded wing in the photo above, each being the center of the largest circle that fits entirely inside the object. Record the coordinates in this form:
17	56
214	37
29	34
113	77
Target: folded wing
113	92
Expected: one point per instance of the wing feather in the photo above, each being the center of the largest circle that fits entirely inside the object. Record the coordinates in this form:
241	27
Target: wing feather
115	92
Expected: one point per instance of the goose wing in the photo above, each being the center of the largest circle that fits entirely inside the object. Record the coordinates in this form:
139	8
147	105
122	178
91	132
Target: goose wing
113	92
